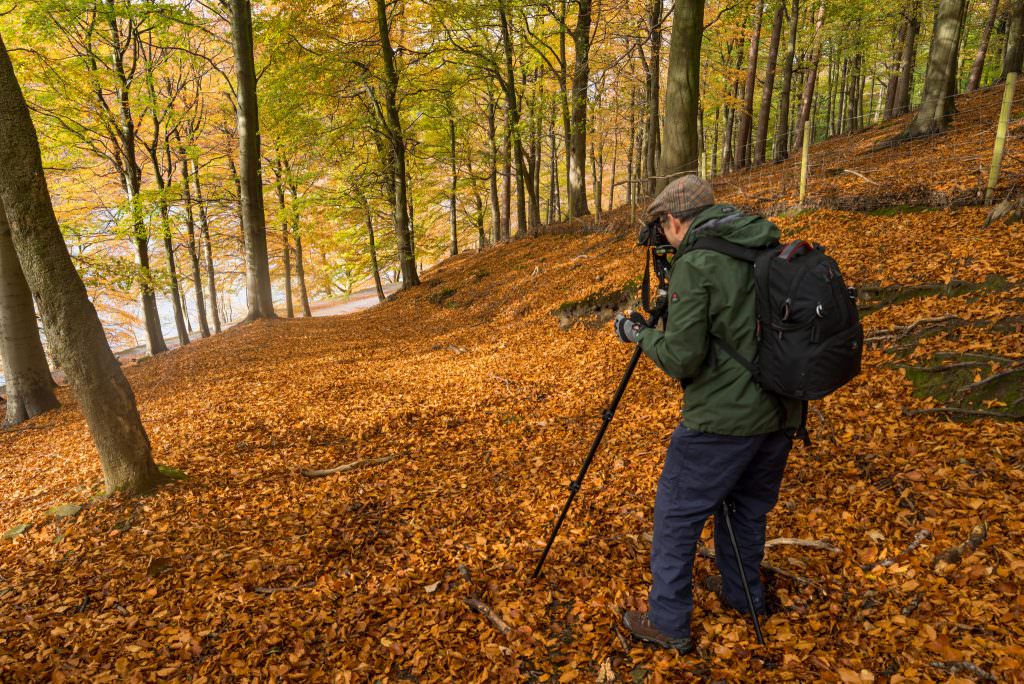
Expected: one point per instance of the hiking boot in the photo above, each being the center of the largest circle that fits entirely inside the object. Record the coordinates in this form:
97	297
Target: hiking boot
641	628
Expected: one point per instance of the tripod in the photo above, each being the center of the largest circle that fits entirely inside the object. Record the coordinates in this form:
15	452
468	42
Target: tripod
574	486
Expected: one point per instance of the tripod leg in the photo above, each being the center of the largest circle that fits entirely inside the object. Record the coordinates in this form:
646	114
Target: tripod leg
743	576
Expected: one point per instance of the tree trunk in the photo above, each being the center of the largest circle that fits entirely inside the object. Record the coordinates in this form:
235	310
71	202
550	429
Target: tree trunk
974	80
296	233
454	189
1014	55
907	62
764	114
894	72
524	179
812	76
396	138
374	267
746	114
26	371
73	330
933	117
554	201
257	266
506	182
207	247
680	153
632	147
653	137
286	251
165	230
492	130
781	147
580	81
191	245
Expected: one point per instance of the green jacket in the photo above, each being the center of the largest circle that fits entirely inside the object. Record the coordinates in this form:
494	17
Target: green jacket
713	294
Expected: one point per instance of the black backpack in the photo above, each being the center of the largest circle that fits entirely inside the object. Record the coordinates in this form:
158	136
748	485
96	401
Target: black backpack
809	336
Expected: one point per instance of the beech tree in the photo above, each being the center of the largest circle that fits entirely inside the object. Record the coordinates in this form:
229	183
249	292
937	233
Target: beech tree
261	304
940	78
26	371
73	330
680	153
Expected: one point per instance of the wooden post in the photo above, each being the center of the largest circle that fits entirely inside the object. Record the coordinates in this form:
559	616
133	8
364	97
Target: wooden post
1004	121
804	159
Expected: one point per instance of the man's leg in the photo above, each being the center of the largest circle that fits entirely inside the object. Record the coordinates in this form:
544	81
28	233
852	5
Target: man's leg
699	470
753	496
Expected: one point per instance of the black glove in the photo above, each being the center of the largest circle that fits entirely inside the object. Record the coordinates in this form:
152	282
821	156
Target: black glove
627	329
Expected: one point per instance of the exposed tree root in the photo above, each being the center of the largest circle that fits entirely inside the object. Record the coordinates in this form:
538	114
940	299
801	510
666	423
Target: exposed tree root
952	410
296	587
964	667
919	538
355	465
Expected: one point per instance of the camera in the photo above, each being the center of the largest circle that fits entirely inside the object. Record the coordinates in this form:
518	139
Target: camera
652	234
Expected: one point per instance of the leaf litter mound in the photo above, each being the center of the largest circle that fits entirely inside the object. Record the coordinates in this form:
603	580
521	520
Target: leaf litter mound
472	410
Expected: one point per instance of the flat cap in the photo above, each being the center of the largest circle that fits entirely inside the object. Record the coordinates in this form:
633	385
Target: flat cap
682	196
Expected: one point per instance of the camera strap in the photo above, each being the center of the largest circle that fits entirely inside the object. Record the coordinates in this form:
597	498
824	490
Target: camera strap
645	285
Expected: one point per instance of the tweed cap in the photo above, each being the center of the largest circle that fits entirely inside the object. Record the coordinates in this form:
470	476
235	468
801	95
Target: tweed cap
682	196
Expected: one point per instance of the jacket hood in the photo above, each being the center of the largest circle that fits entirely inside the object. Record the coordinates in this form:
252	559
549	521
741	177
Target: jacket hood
729	223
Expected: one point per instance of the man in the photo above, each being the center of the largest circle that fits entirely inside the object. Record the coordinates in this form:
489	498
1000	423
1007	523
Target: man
733	440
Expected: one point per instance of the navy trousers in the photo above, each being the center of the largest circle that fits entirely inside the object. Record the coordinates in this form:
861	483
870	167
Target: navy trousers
701	470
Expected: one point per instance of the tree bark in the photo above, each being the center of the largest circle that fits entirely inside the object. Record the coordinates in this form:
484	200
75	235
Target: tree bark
296	233
1014	55
974	80
207	247
746	114
73	330
26	371
653	137
524	177
374	267
680	153
580	81
257	266
907	61
812	76
191	244
396	138
781	147
286	242
165	230
764	114
894	73
492	130
933	116
452	197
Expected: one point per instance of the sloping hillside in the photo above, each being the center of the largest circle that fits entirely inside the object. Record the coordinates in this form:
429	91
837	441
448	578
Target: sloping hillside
248	569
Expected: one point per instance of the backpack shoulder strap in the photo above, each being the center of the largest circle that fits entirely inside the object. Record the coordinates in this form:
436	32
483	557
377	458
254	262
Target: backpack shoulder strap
716	244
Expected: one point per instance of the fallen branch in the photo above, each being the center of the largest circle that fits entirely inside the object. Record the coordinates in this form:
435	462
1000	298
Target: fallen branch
941	368
963	412
296	587
349	466
807	543
861	175
956	554
958	666
490	614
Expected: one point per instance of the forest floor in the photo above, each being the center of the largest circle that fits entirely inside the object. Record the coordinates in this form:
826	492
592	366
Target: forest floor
486	385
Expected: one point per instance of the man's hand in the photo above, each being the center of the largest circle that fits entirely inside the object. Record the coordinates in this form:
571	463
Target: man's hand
628	328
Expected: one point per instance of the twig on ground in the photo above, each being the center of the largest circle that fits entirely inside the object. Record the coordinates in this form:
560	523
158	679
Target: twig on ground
295	587
464	571
705	552
941	368
349	466
958	666
489	613
824	421
919	538
964	412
